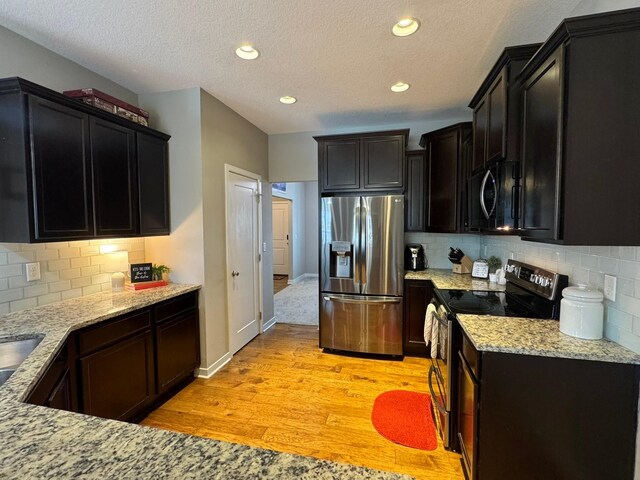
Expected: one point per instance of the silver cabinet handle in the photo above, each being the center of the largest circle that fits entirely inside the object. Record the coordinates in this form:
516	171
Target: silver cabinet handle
331	298
235	273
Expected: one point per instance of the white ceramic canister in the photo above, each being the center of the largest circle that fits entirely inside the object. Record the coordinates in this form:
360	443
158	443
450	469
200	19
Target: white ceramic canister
581	312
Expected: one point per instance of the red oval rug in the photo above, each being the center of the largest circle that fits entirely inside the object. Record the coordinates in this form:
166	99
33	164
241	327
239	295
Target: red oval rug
405	417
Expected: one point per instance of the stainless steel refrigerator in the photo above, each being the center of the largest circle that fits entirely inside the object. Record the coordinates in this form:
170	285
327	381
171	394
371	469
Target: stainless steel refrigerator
361	273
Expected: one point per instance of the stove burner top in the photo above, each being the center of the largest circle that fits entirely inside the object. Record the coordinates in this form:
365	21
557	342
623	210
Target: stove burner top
500	304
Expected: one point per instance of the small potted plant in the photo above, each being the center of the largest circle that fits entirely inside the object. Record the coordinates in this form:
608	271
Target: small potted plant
159	271
494	264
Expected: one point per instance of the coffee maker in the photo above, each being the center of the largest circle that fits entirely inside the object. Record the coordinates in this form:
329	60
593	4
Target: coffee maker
414	258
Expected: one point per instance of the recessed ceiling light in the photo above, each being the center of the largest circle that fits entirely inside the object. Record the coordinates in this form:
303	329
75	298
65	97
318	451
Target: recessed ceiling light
287	100
405	27
400	87
247	52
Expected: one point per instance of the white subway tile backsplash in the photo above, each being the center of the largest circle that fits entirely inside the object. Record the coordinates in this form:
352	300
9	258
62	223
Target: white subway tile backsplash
588	265
68	270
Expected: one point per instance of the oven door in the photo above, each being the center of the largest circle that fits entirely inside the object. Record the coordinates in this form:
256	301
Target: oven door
440	376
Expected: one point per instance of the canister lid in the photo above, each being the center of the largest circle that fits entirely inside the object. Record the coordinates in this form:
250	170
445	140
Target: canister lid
582	292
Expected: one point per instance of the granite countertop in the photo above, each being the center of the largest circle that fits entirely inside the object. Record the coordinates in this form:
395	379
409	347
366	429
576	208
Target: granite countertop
529	336
526	336
40	442
445	279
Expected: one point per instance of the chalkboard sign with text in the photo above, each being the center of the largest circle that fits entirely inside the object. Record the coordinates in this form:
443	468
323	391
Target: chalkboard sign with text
140	272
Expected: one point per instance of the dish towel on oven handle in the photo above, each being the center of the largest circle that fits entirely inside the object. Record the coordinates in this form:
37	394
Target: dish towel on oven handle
431	329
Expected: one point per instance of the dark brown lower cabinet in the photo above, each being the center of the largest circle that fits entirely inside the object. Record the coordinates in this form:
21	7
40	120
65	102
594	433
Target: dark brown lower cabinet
123	367
56	388
417	296
530	417
177	353
118	381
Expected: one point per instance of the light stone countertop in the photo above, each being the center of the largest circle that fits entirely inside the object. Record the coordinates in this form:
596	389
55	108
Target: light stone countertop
445	279
528	336
525	336
40	442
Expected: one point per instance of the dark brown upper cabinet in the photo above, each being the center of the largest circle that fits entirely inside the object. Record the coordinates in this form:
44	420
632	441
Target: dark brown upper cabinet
417	192
580	141
70	171
113	162
445	150
497	109
372	161
153	185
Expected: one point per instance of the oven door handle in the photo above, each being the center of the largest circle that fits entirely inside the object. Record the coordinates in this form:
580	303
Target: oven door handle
438	405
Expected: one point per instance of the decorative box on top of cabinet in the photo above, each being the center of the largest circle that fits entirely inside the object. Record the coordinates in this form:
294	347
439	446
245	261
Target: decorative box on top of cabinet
73	171
362	162
448	153
497	109
580	140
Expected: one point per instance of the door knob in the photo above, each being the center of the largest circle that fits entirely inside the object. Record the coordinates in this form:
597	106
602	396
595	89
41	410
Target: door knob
235	273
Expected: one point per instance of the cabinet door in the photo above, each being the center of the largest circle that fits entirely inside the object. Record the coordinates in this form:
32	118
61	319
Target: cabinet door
479	135
540	154
119	380
61	171
58	387
443	188
153	185
417	192
496	119
417	296
468	395
340	165
114	178
383	159
178	349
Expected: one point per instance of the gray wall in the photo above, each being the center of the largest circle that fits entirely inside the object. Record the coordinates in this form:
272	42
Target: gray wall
20	57
311	226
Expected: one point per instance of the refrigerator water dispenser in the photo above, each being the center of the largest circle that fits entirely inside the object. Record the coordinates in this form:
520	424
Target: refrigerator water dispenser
341	264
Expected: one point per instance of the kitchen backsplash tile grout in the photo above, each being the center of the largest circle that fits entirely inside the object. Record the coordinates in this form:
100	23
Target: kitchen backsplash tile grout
68	270
583	264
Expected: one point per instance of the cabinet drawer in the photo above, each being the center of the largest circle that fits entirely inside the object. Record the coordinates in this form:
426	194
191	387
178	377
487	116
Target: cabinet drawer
471	355
100	336
176	305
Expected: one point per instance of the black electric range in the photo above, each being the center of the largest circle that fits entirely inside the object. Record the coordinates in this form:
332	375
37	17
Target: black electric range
530	292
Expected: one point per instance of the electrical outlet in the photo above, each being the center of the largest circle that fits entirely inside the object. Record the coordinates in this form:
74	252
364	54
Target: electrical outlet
610	287
264	246
33	271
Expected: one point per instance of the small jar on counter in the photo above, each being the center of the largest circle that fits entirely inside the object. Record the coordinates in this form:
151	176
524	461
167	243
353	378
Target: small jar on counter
581	312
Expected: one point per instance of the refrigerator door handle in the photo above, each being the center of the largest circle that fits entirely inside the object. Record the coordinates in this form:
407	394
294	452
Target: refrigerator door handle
332	298
357	247
363	260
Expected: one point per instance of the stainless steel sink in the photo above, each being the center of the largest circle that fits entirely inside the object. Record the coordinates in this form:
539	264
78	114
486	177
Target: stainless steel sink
13	353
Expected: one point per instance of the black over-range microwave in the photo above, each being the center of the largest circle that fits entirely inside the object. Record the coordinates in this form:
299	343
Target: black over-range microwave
493	198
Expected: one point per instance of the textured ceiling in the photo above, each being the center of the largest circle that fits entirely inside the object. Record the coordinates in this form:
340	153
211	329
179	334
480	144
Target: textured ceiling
338	57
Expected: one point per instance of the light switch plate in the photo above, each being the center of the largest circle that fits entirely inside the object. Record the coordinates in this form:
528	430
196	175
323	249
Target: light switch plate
32	271
610	287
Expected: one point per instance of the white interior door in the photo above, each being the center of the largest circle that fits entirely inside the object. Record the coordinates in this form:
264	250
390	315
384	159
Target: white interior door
281	214
243	272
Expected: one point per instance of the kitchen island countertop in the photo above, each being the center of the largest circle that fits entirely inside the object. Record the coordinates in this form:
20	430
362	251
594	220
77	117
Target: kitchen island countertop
40	442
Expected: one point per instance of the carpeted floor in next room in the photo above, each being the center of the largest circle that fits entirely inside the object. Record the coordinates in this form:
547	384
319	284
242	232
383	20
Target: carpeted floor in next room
298	303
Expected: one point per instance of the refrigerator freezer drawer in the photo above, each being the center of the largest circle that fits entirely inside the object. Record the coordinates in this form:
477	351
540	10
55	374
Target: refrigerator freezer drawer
355	323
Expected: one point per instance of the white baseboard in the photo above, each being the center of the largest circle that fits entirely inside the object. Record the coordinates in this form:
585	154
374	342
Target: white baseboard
302	277
268	324
212	369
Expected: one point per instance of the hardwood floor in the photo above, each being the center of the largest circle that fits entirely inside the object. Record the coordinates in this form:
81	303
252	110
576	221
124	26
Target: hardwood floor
282	393
280	282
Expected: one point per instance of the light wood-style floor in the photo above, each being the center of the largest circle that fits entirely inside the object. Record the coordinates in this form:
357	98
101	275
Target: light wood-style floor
282	393
280	282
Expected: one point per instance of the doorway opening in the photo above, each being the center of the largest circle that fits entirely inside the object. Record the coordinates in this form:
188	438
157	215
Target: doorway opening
295	252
